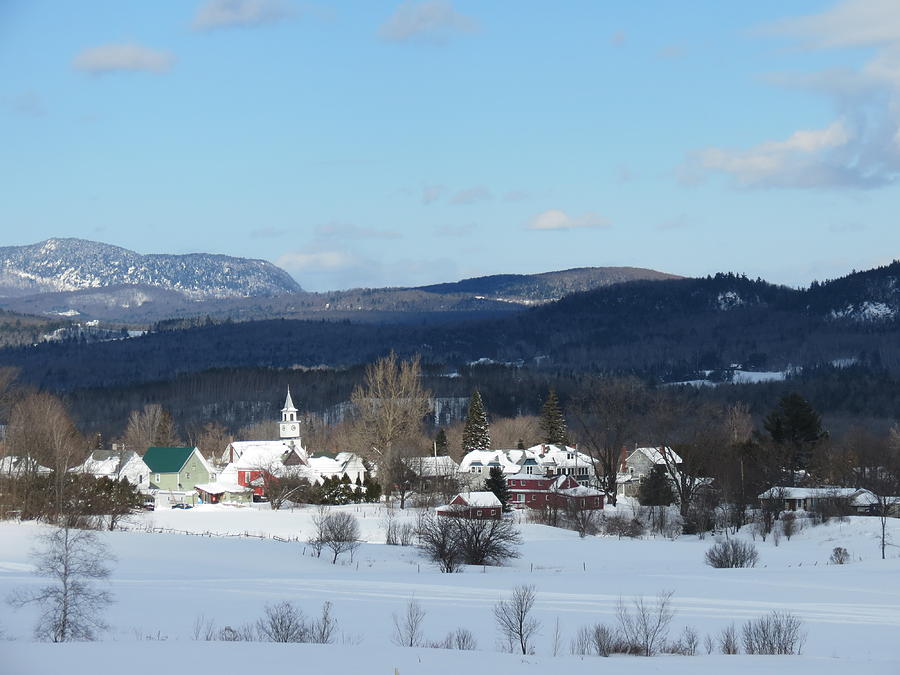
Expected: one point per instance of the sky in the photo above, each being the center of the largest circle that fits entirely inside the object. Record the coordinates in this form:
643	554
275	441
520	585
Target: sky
385	143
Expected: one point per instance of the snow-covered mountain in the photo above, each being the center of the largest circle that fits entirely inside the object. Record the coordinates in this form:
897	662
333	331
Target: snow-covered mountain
59	265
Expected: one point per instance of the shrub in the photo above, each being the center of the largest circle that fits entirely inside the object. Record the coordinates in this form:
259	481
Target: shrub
732	553
839	556
622	526
599	640
775	633
728	640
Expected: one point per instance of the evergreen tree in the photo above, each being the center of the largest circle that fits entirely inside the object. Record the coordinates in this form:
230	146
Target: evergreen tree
795	426
553	422
521	445
476	435
496	483
440	442
656	490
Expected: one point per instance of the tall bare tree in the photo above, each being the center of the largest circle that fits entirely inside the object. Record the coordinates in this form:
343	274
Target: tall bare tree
41	432
71	606
606	418
151	426
389	408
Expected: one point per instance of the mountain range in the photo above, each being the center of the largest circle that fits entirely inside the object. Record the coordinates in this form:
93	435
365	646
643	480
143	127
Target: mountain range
92	281
67	265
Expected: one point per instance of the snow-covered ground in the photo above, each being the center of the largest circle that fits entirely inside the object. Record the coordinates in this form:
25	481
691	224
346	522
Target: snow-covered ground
163	582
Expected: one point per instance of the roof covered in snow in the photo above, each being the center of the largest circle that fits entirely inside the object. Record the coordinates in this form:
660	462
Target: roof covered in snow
810	492
221	487
655	455
432	466
483	499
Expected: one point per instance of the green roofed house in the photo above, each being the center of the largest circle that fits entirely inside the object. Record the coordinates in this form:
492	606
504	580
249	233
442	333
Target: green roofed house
177	468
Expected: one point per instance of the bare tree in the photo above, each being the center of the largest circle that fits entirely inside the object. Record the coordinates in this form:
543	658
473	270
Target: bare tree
338	532
408	628
646	625
151	426
41	432
507	432
437	538
388	408
213	439
514	619
486	542
71	605
606	418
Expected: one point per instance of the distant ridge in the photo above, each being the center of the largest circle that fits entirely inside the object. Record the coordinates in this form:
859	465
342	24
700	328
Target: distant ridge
60	265
547	286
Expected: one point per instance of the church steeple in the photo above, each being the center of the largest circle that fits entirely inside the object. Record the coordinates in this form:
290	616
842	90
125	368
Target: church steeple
289	427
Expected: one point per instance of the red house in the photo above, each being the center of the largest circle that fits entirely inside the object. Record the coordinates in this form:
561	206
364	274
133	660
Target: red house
538	492
475	505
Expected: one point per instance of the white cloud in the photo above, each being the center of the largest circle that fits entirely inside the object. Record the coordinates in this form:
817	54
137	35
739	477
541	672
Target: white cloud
852	23
314	261
429	21
122	57
802	160
861	148
556	219
472	195
226	13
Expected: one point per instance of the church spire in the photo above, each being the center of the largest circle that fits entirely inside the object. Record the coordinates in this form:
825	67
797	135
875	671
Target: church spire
288	403
289	427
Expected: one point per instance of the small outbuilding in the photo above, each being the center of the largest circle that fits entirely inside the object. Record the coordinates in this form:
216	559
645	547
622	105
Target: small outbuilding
475	505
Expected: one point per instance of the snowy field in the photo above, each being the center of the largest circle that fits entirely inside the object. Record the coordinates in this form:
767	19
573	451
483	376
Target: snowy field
164	581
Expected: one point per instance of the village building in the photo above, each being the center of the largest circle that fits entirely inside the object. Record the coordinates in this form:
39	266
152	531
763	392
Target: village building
252	463
847	500
482	505
223	492
117	465
561	491
539	460
177	469
431	473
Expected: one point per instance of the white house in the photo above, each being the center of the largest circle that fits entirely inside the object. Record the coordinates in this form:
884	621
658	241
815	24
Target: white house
117	465
538	460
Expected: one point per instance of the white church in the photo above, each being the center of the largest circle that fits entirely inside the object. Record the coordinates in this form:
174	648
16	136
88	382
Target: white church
247	461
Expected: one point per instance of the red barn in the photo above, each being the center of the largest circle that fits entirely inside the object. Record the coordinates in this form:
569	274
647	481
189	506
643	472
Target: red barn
477	505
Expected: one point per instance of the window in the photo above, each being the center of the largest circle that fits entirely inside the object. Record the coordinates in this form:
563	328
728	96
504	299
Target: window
478	512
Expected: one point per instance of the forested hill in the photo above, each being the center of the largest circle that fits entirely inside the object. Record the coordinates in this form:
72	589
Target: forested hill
530	288
664	330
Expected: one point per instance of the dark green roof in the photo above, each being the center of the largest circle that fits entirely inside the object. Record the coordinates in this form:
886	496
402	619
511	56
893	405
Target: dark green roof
166	460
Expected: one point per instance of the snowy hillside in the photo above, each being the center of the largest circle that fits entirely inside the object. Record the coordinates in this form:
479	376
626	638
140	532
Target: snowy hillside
164	582
74	264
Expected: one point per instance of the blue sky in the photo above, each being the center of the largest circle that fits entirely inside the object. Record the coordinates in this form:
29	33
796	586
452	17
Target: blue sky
381	143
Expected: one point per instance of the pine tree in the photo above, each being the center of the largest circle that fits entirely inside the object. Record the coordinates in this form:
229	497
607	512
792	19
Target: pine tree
476	435
656	490
553	422
797	427
440	442
496	483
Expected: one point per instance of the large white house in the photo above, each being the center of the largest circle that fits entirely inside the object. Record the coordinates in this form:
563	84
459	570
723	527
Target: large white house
539	460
